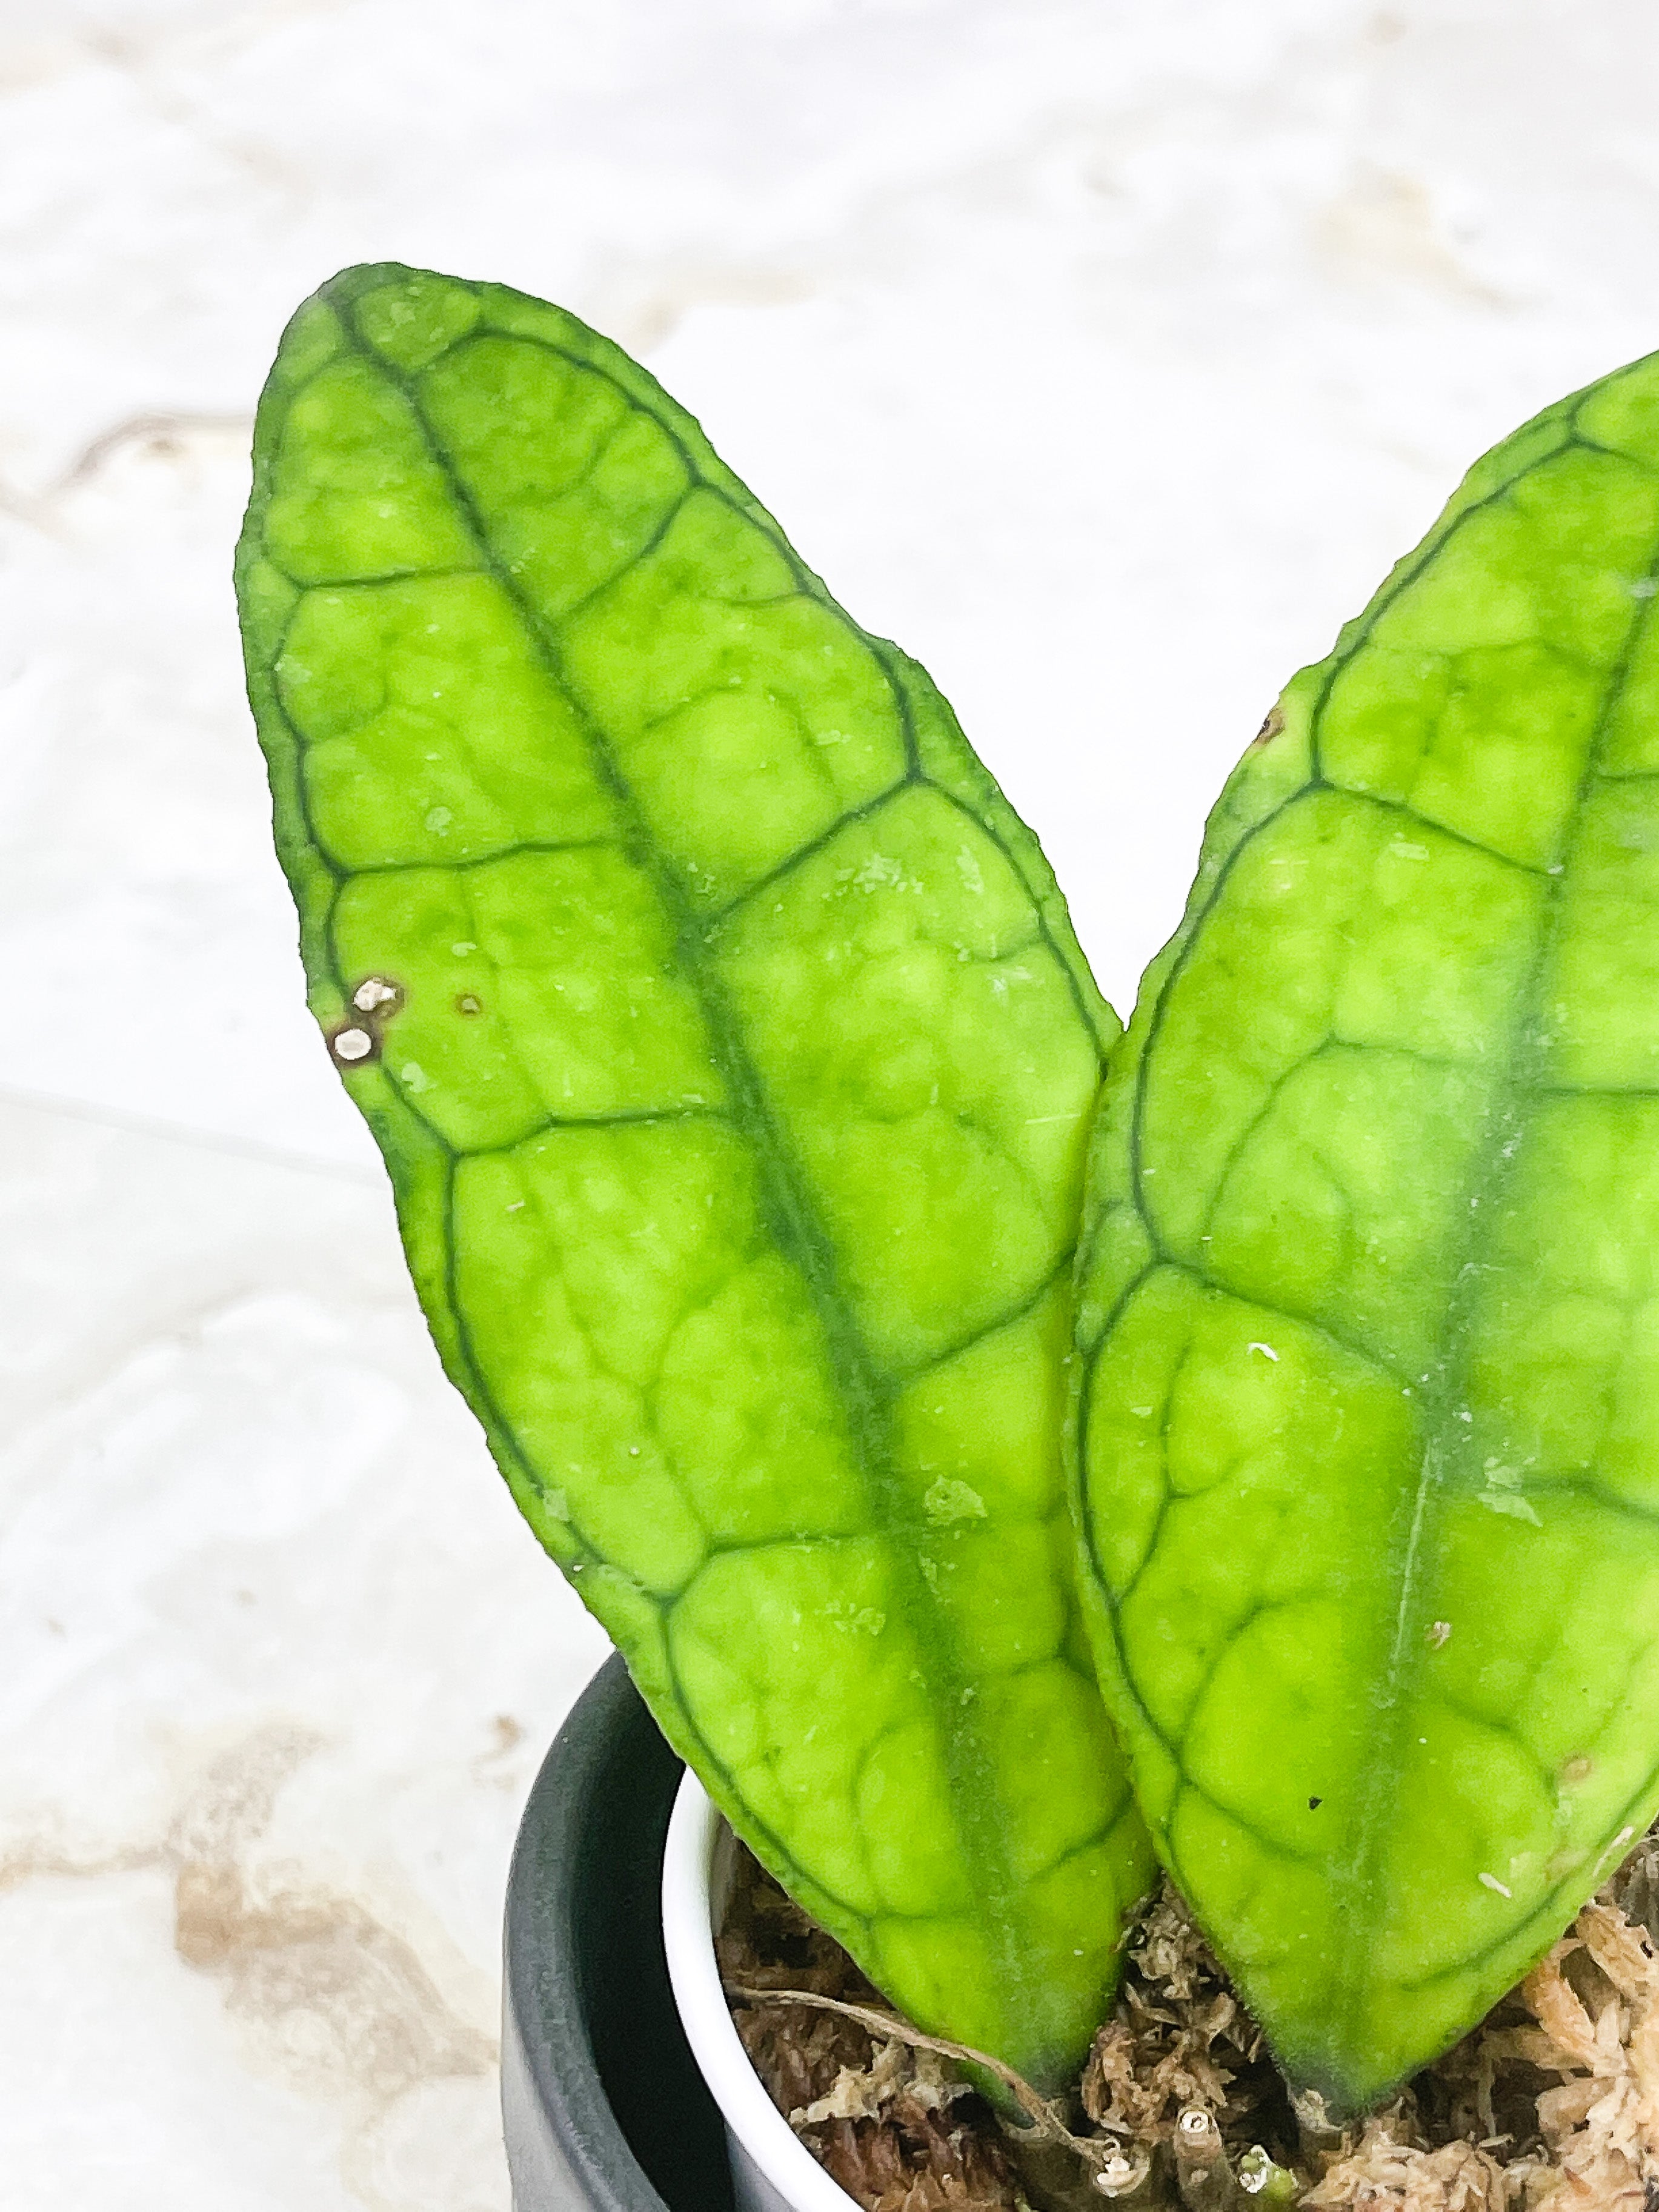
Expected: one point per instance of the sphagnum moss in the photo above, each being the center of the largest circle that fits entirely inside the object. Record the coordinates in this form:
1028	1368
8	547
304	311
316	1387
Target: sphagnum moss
1546	2107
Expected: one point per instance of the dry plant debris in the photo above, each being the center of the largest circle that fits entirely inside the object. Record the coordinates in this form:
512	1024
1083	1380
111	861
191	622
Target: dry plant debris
1552	2102
896	2126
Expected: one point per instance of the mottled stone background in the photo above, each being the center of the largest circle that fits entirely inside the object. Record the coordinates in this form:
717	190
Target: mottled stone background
1104	353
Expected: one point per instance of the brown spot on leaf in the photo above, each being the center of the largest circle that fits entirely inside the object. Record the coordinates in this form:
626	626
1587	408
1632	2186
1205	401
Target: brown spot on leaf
466	1004
1269	730
374	1000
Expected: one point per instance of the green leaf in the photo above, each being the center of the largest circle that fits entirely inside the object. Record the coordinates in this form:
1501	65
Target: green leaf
732	1056
1369	1428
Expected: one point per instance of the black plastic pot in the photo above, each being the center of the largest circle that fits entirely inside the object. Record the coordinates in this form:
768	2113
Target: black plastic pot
602	2104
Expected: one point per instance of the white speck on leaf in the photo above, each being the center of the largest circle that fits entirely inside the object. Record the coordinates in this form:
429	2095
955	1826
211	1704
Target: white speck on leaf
438	820
353	1044
881	868
1501	1494
461	950
1265	1350
945	1501
857	1619
1492	1882
1439	1635
375	990
1613	1849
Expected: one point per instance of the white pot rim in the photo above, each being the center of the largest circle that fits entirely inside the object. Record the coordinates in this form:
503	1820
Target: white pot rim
754	2121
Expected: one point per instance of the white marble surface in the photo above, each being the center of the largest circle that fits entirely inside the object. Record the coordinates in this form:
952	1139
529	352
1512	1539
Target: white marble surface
1102	353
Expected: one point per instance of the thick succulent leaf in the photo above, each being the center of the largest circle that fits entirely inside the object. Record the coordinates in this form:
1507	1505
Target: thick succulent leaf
732	1055
1368	1430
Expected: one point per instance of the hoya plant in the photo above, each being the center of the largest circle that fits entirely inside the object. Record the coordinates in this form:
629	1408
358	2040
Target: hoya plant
735	1065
